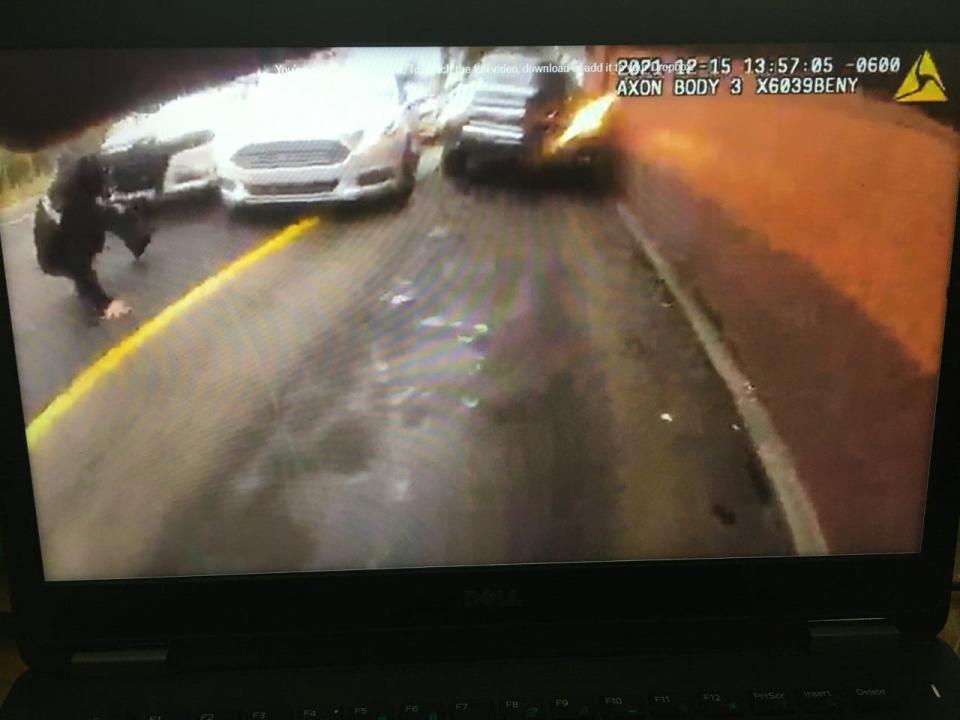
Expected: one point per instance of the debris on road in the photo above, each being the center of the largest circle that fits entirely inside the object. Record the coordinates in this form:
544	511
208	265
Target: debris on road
403	395
439	232
438	321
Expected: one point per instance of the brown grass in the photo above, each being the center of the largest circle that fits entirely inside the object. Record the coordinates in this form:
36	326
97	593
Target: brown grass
10	196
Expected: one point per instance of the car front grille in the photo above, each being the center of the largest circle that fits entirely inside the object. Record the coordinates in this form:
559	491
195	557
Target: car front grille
279	189
291	154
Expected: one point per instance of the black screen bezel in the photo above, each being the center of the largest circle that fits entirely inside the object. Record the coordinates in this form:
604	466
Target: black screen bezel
55	618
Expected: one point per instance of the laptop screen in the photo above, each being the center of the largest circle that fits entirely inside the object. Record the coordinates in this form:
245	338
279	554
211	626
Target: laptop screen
371	308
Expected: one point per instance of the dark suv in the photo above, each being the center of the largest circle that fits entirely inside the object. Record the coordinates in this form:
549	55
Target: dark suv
523	108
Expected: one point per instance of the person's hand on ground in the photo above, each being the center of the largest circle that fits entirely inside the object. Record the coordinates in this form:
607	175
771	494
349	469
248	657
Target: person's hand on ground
116	309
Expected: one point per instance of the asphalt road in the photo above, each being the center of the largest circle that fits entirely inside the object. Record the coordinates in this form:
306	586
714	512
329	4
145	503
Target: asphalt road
57	336
490	373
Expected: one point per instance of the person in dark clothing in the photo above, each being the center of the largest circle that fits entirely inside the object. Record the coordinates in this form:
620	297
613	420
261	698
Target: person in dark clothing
70	226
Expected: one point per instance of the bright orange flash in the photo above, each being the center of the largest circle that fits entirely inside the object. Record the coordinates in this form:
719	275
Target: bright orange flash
586	120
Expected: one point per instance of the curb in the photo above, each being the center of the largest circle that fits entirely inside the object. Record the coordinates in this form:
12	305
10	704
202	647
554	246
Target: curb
772	451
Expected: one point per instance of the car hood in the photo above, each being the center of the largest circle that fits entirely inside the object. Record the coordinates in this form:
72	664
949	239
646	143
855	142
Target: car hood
305	116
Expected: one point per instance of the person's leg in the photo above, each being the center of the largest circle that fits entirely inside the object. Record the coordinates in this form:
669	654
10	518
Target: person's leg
89	289
47	241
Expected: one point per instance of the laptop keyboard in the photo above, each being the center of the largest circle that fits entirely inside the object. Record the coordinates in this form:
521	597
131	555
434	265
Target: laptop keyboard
813	702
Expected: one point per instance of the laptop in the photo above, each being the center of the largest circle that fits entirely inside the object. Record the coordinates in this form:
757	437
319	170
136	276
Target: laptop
394	362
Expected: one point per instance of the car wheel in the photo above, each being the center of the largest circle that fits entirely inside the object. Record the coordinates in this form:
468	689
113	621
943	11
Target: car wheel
453	162
408	171
605	172
407	180
404	191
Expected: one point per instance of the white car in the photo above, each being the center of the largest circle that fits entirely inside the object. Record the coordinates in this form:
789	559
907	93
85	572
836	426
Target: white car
168	152
318	134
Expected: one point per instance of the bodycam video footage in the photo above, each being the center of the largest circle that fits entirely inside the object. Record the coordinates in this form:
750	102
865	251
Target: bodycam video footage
369	308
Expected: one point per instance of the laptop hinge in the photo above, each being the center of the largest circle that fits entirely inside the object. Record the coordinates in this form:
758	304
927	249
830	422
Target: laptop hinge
852	634
126	662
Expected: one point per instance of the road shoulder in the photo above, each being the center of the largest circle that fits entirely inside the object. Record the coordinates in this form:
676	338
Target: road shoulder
774	455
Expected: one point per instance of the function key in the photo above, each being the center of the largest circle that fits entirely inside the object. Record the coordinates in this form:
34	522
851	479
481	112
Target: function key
570	708
268	714
672	705
471	710
874	699
819	701
513	709
371	712
320	712
421	711
158	716
715	704
214	715
772	702
99	715
621	707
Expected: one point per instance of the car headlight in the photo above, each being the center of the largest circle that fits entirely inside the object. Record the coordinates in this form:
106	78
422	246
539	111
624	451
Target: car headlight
371	140
586	121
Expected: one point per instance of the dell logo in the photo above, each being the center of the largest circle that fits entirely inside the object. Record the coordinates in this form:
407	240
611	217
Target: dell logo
490	599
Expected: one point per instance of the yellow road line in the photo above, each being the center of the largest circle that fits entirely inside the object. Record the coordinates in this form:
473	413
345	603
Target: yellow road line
108	362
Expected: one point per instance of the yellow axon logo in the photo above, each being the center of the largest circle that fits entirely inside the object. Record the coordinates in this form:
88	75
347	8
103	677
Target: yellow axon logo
922	83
